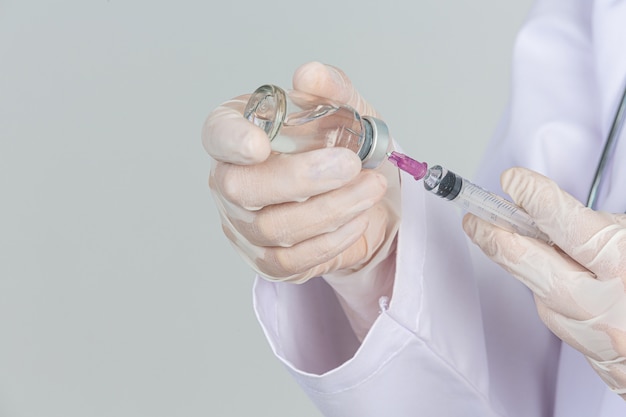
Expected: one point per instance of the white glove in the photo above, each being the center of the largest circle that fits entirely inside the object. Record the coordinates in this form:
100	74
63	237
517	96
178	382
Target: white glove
578	284
297	216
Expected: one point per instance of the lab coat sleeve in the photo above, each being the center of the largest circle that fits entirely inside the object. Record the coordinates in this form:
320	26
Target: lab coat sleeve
425	353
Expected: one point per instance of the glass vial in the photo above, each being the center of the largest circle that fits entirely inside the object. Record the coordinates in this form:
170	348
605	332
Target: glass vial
297	122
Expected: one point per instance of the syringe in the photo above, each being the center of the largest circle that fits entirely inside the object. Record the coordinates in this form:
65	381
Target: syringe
470	197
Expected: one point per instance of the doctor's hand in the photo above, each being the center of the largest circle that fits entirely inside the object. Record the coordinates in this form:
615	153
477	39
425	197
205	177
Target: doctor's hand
296	216
579	284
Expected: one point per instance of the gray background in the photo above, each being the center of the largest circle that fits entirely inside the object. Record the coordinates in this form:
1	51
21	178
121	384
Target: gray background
119	296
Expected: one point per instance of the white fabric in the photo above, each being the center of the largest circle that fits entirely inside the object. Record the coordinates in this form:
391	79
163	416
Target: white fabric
460	337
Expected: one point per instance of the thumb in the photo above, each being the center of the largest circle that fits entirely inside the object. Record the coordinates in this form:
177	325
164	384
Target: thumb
330	82
591	238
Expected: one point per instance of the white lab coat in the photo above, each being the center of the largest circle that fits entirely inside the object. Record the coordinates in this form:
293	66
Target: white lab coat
461	337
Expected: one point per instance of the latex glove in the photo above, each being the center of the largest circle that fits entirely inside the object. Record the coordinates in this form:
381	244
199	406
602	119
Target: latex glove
578	284
294	217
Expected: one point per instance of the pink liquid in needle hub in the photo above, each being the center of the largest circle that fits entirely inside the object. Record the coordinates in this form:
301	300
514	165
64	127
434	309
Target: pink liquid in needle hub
408	164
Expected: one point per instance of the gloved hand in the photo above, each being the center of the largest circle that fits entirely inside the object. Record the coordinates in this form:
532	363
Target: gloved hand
294	217
578	283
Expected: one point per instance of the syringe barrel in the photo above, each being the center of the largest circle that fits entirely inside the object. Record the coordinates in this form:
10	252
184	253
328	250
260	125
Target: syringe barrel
480	202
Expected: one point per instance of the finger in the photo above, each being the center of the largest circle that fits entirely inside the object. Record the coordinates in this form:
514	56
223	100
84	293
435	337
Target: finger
330	82
347	248
599	337
616	218
287	224
312	257
285	178
561	326
560	282
228	137
591	238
